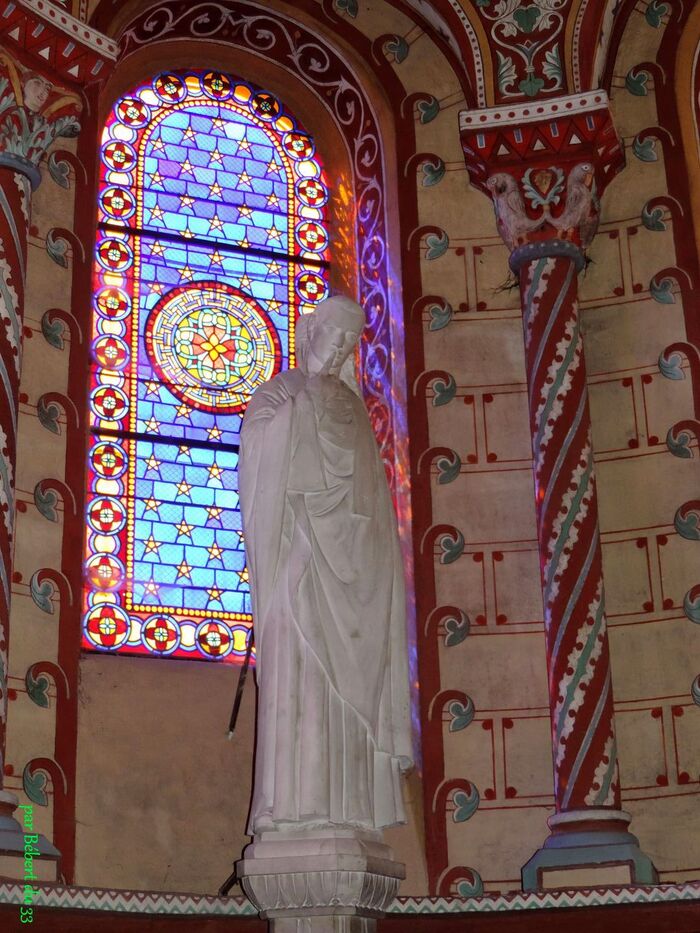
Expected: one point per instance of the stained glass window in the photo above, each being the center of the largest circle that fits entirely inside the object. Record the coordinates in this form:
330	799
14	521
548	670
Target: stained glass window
211	241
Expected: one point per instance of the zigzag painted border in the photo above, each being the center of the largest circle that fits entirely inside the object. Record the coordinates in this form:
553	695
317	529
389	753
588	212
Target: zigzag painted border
589	897
151	902
139	902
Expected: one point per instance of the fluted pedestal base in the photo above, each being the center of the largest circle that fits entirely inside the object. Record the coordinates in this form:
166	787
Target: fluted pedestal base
332	924
320	881
588	848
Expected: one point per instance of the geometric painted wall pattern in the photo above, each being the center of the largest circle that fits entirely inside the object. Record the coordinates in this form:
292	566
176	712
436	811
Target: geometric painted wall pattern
211	241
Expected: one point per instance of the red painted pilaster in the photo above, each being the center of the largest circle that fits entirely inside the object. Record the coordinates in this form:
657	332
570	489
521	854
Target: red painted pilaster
15	192
25	135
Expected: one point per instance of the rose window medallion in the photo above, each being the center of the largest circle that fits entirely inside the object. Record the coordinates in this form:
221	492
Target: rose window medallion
212	345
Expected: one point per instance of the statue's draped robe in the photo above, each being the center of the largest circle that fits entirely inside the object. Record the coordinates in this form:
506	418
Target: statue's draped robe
329	609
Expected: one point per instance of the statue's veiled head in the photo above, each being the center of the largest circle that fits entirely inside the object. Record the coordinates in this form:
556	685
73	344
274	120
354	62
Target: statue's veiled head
327	337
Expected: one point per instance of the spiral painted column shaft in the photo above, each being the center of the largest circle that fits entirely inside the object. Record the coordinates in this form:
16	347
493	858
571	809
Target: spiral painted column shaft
15	192
578	658
545	170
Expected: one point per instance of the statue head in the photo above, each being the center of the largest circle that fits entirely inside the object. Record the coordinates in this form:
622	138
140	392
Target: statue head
327	337
36	90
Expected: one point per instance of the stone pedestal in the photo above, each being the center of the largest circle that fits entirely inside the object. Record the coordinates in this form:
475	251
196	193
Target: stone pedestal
588	848
24	853
320	881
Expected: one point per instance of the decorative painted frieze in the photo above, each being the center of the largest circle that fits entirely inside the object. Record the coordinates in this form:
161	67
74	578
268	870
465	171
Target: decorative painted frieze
65	46
526	38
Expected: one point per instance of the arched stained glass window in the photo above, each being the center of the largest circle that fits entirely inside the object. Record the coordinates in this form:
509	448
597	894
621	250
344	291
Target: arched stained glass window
211	241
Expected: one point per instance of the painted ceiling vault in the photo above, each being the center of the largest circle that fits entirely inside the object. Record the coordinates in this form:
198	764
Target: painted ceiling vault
506	50
515	50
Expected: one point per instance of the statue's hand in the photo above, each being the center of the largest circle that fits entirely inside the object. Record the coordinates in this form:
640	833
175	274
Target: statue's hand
332	399
320	385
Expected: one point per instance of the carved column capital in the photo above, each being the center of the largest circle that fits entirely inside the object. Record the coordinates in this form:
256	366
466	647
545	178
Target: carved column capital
33	113
545	165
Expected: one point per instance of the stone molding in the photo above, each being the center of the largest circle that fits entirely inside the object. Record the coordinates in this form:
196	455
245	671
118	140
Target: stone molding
533	111
320	873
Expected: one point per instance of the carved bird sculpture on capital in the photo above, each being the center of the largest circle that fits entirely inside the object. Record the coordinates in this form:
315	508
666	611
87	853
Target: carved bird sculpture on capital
582	208
512	220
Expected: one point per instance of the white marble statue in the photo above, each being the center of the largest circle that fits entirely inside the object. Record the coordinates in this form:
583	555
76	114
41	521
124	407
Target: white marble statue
328	593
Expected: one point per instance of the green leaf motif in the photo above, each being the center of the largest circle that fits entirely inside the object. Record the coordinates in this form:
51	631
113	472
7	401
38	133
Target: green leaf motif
552	67
662	291
456	629
653	219
37	689
59	171
448	468
433	172
507	74
691	606
34	784
436	244
531	85
645	149
53	330
444	391
452	547
679	444
466	804
349	7
636	82
428	109
46	502
654	13
671	366
398	47
57	249
527	17
471	887
462	714
48	415
42	593
440	316
687	523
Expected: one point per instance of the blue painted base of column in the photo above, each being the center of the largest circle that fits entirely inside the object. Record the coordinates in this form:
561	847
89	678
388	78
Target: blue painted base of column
588	849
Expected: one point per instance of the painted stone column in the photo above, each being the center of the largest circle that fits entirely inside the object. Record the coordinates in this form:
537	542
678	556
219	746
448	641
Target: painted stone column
545	167
25	135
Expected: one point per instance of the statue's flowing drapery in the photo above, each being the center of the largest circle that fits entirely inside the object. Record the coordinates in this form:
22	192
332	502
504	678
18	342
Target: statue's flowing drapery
329	609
